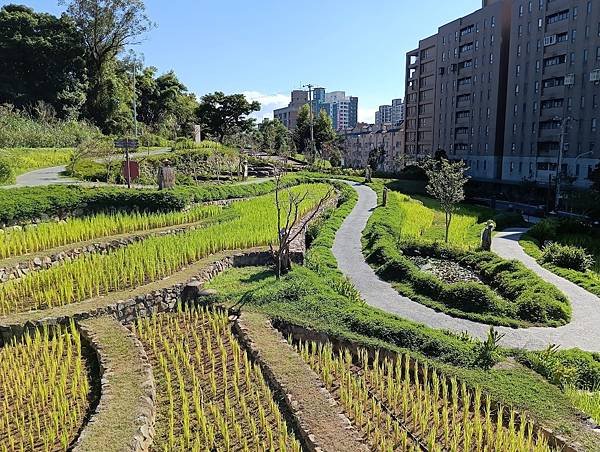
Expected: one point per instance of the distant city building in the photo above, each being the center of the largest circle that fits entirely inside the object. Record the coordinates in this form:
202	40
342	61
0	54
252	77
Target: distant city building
383	115
493	89
397	111
289	115
384	144
342	109
390	114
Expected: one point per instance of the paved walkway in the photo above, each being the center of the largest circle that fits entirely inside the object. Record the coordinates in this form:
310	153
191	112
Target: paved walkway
583	331
53	175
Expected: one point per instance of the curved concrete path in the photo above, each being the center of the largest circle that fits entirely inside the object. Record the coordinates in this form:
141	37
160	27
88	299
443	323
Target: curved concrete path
583	331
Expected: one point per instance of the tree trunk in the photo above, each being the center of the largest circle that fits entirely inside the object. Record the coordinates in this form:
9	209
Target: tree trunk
448	220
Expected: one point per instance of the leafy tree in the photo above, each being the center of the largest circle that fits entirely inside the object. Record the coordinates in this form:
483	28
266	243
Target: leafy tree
275	137
323	132
446	184
222	115
107	27
51	45
164	102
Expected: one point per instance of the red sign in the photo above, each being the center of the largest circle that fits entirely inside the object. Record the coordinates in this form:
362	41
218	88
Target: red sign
134	170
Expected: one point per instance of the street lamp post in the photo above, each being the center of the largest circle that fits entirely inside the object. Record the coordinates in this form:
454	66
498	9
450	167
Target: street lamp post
563	133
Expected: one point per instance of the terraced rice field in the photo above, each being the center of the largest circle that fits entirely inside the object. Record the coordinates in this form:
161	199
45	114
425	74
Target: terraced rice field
44	391
210	395
253	224
397	407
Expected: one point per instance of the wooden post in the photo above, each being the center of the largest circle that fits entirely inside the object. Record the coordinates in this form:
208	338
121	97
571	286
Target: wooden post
385	196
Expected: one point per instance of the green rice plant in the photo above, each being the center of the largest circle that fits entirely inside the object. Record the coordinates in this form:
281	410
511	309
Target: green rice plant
254	224
32	238
586	401
44	391
400	405
210	396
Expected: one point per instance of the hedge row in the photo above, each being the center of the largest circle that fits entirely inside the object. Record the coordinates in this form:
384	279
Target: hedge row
22	205
519	297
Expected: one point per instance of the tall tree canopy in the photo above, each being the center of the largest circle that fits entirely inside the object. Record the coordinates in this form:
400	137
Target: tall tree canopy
164	103
107	27
275	137
324	135
41	59
221	115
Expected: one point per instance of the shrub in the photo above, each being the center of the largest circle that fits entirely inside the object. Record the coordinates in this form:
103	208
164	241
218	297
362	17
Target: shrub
567	256
473	297
6	172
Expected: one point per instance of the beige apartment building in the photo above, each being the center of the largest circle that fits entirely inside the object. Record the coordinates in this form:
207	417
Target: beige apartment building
383	143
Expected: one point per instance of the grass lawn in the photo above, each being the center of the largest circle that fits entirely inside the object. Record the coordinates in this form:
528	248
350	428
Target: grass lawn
304	299
589	239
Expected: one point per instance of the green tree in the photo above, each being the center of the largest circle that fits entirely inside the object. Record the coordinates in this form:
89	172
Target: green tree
275	137
323	132
221	115
41	59
164	103
446	184
107	27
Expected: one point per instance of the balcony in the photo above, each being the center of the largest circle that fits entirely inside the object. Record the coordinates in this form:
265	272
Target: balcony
556	70
558	27
463	122
547	114
558	5
553	92
549	135
560	48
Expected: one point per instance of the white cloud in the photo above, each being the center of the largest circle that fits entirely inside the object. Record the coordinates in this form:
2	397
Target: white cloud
268	103
366	115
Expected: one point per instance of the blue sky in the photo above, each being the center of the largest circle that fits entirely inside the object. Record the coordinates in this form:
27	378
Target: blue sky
267	48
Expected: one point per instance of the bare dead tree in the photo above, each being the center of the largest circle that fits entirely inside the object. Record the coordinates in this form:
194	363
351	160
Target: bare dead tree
293	225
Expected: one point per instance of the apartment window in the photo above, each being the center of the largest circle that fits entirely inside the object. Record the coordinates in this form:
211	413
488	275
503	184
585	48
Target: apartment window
552	103
517	89
466	47
562	37
594	125
575	12
519	50
597	53
585	55
518	70
491	58
582	104
515	110
530	7
521	11
536	87
520	30
595	101
493	21
573	35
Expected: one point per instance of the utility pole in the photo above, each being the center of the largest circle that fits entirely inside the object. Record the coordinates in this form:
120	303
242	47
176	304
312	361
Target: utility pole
563	134
311	120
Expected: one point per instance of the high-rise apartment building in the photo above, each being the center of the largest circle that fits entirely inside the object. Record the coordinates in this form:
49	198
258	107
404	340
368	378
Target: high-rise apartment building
383	115
288	115
397	111
456	89
495	87
390	114
553	74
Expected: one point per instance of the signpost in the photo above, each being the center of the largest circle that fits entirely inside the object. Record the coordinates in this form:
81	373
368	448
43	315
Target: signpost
127	144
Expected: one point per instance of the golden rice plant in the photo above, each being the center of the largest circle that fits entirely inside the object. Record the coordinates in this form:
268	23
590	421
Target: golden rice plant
254	224
44	391
399	405
33	238
210	396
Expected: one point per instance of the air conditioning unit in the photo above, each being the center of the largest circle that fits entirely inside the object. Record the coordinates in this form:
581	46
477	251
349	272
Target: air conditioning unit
569	79
549	40
595	75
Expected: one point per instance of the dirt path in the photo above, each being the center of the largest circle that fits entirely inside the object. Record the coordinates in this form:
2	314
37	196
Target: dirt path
319	415
125	413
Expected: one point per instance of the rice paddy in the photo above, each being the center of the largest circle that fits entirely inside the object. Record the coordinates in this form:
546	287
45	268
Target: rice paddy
32	238
155	258
400	406
210	395
44	391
